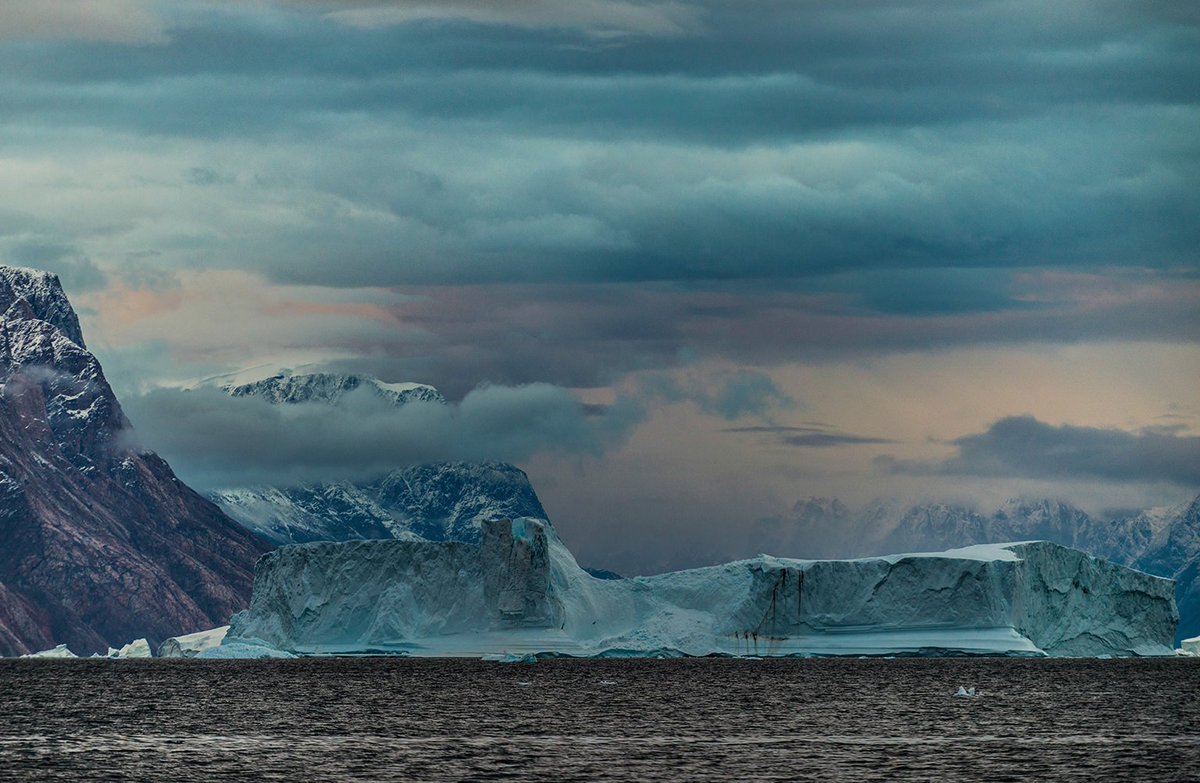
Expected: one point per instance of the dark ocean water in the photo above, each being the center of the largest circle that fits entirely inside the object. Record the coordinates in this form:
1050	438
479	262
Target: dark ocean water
710	719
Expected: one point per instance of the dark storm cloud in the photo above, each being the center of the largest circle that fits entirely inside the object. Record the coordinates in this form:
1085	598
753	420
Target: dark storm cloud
215	440
1022	446
582	336
810	436
776	140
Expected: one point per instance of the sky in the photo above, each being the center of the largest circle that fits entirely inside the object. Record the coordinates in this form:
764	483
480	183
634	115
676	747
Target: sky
686	263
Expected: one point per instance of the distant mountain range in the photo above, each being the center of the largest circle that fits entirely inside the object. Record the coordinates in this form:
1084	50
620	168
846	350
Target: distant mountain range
99	541
1161	541
438	502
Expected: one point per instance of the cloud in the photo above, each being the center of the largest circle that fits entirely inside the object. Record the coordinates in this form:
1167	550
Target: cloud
1022	446
918	162
599	18
811	436
110	21
77	272
214	440
594	335
727	394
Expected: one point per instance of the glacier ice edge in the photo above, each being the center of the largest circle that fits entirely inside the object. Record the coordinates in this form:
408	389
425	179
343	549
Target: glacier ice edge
521	592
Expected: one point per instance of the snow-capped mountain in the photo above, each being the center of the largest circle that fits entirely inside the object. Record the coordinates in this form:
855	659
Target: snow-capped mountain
99	541
289	387
1161	541
440	502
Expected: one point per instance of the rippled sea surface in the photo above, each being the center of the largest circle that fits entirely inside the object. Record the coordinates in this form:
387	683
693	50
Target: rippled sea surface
708	719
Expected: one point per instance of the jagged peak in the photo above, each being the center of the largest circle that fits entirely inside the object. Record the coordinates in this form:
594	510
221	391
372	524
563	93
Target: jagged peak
27	340
1026	506
43	292
288	387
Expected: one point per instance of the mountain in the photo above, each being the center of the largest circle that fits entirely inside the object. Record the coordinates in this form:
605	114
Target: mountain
1161	541
438	502
287	387
100	543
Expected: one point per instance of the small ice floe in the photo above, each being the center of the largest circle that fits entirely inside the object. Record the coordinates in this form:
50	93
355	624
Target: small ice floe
508	657
608	682
60	651
965	693
138	648
524	683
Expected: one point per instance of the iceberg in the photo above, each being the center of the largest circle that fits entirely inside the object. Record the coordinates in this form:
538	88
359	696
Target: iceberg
59	651
138	648
242	649
192	644
1190	646
520	592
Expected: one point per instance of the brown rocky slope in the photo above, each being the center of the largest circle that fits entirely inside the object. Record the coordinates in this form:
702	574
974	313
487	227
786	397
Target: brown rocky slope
100	543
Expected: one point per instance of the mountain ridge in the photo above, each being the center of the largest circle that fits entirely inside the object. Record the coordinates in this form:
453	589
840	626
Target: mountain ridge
103	543
437	502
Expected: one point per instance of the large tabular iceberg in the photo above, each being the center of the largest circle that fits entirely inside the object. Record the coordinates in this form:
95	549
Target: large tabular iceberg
520	591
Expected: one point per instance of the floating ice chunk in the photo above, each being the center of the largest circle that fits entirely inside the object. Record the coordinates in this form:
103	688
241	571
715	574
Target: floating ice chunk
509	657
60	651
192	644
243	649
966	693
138	648
1191	646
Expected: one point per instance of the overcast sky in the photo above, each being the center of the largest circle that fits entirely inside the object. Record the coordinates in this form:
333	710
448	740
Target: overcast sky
685	262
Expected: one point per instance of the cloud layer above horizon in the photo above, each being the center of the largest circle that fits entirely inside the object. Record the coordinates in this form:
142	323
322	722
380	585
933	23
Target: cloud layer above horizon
807	238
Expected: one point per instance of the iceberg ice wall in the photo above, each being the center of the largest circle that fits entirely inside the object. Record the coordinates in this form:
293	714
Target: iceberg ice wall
521	591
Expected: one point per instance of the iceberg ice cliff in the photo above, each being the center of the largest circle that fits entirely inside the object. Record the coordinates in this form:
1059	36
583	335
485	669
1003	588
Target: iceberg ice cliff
520	591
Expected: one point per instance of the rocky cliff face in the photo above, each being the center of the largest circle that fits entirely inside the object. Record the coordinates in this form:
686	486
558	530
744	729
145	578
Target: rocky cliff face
100	543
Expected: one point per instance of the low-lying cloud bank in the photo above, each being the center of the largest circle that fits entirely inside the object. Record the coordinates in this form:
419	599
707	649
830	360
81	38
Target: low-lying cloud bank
217	441
1023	447
214	440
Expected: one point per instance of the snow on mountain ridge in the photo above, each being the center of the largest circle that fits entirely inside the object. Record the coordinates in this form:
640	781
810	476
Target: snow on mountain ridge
287	387
44	293
439	502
